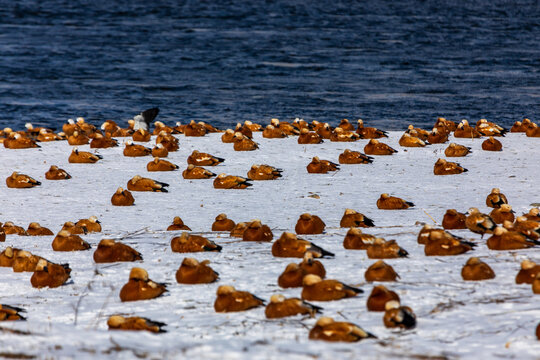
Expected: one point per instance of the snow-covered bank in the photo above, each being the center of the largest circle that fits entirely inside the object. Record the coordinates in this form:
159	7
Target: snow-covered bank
455	318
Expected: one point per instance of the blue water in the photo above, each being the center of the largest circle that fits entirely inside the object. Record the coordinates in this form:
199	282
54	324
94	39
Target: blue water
389	62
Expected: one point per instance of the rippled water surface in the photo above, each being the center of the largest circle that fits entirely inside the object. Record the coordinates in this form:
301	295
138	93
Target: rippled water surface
390	63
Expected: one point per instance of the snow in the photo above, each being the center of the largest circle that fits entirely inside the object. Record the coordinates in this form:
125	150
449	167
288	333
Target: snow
456	319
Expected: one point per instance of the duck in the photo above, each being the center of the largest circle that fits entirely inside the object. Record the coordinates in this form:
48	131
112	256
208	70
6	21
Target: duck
475	270
18	141
478	222
533	130
397	316
379	296
85	127
437	136
387	202
193	172
464	130
136	150
272	132
318	166
253	126
495	199
369	132
382	249
169	142
34	229
11	313
10	228
440	245
309	224
103	142
160	127
238	230
21	181
289	245
286	127
244	130
352	218
316	289
122	198
192	271
64	241
140	287
74	229
109	126
178	224
69	127
355	239
491	144
408	140
45	136
203	159
280	307
83	157
527	273
430	234
354	157
309	137
55	173
346	125
300	124
529	228
323	129
135	323
443	167
92	224
312	266
224	181
231	300
264	172
420	133
109	251
503	239
195	129
518	127
228	136
24	261
222	223
374	147
78	138
139	183
7	257
502	214
243	143
533	214
187	242
48	274
380	271
160	151
454	219
141	135
341	135
488	128
293	274
455	150
327	329
256	231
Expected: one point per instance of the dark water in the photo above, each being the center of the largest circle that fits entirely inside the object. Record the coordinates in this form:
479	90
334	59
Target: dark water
389	62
